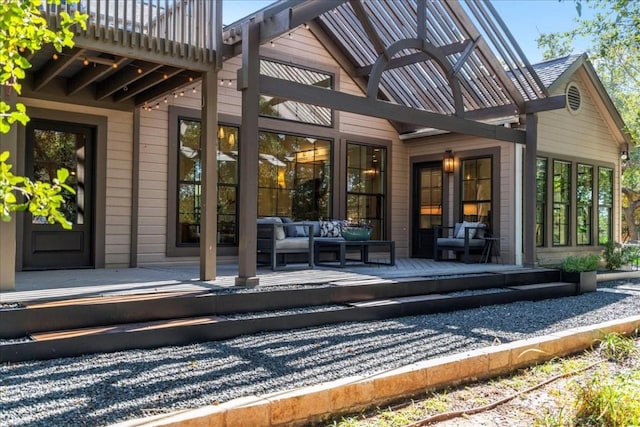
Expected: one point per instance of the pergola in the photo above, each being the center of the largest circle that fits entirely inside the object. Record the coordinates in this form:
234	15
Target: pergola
422	64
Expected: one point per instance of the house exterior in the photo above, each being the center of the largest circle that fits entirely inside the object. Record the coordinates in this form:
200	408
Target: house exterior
310	110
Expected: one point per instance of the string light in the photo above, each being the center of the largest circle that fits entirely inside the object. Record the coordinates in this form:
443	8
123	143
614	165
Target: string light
165	76
272	43
175	95
114	65
55	56
306	26
221	82
193	90
157	106
165	100
181	93
230	82
190	79
290	36
139	70
85	61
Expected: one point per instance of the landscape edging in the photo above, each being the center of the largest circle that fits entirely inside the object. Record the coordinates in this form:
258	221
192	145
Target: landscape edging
315	403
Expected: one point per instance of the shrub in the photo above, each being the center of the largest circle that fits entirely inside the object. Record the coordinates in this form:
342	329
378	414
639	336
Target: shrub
581	263
614	256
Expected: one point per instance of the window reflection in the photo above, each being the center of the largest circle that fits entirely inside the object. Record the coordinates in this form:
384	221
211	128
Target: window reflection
366	186
476	190
294	176
190	185
292	110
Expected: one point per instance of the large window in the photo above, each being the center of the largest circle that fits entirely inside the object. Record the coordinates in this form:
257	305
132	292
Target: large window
605	204
366	186
294	176
189	186
292	110
541	200
561	202
584	204
476	189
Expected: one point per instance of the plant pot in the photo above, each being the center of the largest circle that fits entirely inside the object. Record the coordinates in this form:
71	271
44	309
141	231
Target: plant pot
356	233
586	280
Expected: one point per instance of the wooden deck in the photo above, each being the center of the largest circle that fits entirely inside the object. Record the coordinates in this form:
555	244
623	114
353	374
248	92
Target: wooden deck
59	284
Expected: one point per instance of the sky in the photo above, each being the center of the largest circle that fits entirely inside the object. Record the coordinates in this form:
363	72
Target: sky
526	19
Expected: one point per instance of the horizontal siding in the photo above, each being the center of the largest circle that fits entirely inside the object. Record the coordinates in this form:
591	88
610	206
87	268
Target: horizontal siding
459	144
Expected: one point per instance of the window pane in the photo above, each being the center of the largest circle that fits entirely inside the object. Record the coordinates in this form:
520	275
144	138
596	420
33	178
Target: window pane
189	183
294	176
561	202
605	204
584	196
476	190
292	110
366	186
541	200
53	150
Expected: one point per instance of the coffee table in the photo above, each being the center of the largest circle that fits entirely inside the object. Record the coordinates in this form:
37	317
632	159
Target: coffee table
341	247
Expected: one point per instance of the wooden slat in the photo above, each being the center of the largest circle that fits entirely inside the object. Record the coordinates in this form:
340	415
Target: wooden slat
132	327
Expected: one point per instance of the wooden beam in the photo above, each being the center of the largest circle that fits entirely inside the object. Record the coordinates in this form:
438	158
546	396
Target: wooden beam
417	57
54	67
368	27
92	73
273	25
385	110
146	83
175	83
545	104
124	78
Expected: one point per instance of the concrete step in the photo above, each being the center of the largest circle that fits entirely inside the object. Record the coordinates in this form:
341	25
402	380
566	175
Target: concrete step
182	331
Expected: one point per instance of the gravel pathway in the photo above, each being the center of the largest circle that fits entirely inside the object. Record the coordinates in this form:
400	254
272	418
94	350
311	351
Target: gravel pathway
106	388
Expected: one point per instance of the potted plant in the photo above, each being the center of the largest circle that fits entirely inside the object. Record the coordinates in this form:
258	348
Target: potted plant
356	230
581	269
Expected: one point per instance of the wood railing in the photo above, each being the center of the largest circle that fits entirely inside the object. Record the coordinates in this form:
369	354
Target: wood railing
183	28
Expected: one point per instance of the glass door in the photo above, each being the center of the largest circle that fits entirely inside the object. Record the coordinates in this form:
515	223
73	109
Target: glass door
427	211
51	146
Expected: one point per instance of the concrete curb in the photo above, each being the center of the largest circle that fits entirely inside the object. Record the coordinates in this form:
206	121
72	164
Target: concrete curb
315	403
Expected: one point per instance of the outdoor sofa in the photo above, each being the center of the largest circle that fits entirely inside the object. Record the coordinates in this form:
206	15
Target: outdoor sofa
279	237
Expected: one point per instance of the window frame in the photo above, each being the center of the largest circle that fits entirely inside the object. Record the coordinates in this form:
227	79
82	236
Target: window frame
590	210
334	84
492	201
573	213
382	233
172	248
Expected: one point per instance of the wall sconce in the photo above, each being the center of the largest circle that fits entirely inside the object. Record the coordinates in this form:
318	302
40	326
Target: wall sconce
624	155
448	162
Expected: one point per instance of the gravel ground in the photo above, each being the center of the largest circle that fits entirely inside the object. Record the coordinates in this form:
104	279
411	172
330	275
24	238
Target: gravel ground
106	388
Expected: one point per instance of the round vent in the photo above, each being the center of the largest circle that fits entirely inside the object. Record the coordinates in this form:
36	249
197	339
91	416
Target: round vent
574	98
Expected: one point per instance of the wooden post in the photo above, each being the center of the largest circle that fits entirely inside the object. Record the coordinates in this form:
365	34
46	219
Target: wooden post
529	212
8	142
248	77
209	157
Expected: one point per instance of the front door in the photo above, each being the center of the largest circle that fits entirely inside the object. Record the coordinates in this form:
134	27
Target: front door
427	211
51	146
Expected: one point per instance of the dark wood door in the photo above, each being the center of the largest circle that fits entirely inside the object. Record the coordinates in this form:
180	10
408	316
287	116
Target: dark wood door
427	211
51	146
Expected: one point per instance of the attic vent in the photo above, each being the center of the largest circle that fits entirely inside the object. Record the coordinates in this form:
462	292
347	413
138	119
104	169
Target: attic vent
573	98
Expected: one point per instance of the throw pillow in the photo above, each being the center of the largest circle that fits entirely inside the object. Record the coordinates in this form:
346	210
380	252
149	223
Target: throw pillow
472	231
293	231
280	235
330	228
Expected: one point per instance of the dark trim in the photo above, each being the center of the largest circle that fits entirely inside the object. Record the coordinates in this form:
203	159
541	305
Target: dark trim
135	190
100	175
345	139
385	110
494	153
529	193
548	247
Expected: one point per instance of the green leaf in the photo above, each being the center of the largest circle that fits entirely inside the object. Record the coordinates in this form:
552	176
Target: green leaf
62	175
4	156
